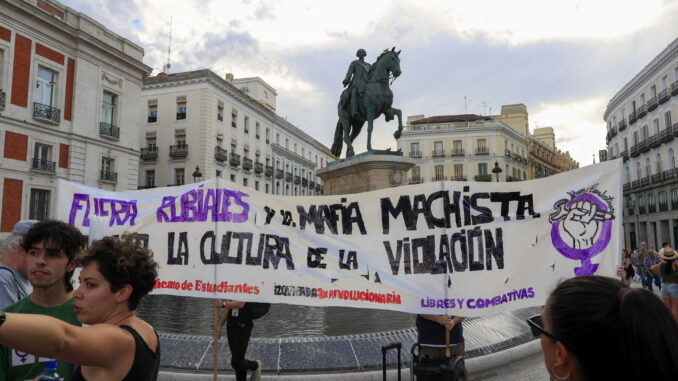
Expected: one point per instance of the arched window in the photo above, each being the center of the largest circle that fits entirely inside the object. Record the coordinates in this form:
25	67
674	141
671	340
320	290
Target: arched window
658	164
672	159
638	173
648	167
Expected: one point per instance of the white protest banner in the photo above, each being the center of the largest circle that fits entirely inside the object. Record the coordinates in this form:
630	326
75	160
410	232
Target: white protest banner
462	248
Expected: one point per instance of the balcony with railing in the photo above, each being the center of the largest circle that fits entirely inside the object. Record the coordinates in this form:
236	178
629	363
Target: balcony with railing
268	171
652	104
304	182
108	176
645	181
311	185
635	184
652	207
415	154
631	210
664	96
666	135
613	131
657	177
485	178
149	153
288	177
663	206
220	154
457	152
632	118
622	126
642	110
438	153
643	146
669	174
634	150
258	168
178	151
439	178
297	179
641	209
108	130
279	174
627	187
458	178
46	113
181	115
415	180
152	119
43	165
624	154
674	87
247	164
653	141
674	204
2	99
234	160
510	179
507	153
482	151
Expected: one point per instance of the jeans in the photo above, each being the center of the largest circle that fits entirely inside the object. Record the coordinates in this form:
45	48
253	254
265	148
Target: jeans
238	335
657	281
641	272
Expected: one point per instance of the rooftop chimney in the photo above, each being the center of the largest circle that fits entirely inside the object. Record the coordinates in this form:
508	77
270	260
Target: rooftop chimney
229	77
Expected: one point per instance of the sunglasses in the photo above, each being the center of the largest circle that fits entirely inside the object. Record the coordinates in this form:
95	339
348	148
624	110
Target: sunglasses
537	327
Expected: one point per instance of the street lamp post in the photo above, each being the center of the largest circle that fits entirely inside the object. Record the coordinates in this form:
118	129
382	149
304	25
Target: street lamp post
197	174
496	170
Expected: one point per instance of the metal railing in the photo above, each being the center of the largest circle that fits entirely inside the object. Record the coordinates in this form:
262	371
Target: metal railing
652	104
246	163
109	130
664	96
279	174
415	154
674	87
632	118
458	178
288	177
258	168
439	178
152	119
642	110
234	160
2	98
439	153
47	113
43	165
486	178
297	179
149	153
220	154
268	171
181	115
457	152
178	150
108	176
304	182
415	180
482	151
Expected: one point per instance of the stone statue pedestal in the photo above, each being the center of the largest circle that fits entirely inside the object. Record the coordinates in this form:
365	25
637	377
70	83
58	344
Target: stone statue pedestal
365	172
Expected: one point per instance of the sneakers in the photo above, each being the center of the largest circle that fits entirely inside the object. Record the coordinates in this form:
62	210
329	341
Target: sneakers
256	374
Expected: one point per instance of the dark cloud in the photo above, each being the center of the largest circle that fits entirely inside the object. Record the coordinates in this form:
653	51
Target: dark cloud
232	45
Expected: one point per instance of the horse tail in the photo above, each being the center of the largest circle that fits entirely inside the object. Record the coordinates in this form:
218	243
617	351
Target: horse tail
338	139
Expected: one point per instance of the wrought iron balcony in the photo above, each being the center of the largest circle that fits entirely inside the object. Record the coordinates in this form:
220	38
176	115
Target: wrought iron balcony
220	118
415	154
246	163
311	185
507	153
220	154
631	211
108	130
656	178
46	113
304	182
642	146
625	154
622	126
178	151
2	99
149	153
510	179
268	171
486	178
652	208
663	206
415	180
482	151
674	87
108	176
439	178
632	118
664	96
288	177
458	178
645	181
653	141
613	131
642	110
666	135
457	152
652	104
181	115
318	188
627	187
641	209
297	179
258	168
235	160
43	165
669	174
152	118
439	153
279	174
146	186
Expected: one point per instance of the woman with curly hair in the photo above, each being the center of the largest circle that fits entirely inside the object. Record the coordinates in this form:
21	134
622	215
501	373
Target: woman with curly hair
116	274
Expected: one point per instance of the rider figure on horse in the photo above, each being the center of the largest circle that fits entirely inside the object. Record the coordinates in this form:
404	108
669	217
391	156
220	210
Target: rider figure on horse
357	78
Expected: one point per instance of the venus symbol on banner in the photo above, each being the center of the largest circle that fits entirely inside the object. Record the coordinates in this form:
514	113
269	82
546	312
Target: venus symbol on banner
587	223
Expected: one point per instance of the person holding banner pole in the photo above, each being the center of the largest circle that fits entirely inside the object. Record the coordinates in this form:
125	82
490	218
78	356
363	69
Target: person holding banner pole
435	331
239	324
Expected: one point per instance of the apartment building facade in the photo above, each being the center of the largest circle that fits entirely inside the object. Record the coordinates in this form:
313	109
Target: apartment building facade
641	130
200	123
69	107
463	148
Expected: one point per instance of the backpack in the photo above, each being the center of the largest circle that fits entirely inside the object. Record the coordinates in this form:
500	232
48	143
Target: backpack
258	310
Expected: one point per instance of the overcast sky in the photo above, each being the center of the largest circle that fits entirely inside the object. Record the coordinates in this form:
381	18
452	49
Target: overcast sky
563	59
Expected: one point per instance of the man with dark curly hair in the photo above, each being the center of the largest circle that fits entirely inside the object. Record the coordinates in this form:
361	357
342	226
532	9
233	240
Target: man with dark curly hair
51	247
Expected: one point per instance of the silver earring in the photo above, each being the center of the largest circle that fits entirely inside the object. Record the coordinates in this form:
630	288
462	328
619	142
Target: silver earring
553	373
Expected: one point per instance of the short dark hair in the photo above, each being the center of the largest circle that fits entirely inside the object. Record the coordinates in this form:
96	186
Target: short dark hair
614	332
123	261
64	236
665	244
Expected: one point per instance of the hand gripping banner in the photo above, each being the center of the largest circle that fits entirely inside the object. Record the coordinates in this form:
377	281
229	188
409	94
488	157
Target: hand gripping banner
462	248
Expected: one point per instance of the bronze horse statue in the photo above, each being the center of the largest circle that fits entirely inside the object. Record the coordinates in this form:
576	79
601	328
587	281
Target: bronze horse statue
376	100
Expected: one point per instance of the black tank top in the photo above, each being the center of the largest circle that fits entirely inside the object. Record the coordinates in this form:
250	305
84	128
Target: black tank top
146	363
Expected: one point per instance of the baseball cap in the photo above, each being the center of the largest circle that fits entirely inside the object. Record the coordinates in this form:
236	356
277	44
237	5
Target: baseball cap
22	227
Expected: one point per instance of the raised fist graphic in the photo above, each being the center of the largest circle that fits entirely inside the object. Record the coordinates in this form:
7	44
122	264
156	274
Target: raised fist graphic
581	224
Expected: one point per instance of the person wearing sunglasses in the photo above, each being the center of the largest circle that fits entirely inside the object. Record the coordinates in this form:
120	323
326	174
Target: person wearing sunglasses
596	328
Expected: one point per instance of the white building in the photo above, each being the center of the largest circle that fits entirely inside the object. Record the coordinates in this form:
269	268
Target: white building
641	128
69	106
226	128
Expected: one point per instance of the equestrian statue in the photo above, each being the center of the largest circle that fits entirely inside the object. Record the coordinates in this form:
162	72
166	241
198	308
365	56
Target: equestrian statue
367	96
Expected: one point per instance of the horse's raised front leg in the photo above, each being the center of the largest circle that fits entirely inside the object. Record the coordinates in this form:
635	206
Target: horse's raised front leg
370	125
399	114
